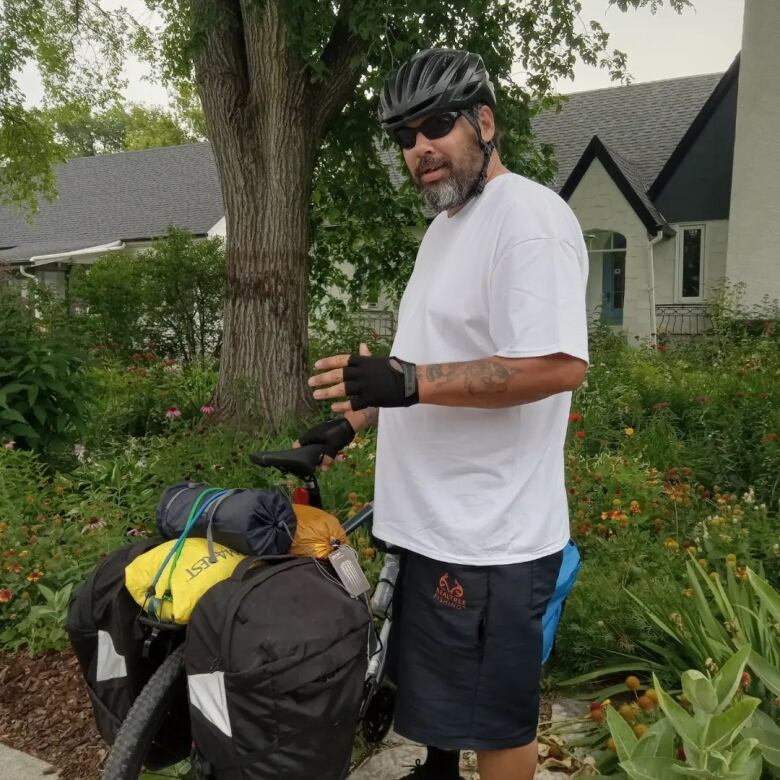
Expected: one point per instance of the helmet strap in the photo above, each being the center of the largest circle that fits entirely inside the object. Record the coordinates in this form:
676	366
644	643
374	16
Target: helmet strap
487	150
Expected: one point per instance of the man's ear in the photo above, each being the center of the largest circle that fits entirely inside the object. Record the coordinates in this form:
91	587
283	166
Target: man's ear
487	123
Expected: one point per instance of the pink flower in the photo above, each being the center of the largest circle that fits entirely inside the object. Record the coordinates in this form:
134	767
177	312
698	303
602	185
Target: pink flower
95	524
9	445
173	413
207	409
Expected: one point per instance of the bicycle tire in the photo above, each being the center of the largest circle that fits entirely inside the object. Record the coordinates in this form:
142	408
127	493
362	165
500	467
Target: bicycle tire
138	730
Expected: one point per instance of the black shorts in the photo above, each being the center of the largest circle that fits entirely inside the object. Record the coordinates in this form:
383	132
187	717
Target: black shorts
465	651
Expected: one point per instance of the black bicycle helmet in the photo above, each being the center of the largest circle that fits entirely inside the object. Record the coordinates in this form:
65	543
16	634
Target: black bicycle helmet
434	80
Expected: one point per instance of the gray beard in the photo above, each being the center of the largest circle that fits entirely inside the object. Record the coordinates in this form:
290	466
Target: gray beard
440	196
456	189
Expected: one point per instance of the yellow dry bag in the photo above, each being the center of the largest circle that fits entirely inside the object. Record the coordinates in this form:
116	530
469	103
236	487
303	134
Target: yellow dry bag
193	574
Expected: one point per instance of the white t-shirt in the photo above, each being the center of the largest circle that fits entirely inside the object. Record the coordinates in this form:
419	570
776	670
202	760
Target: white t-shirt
506	276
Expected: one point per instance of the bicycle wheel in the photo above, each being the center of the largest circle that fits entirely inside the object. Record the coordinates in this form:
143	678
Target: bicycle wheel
138	733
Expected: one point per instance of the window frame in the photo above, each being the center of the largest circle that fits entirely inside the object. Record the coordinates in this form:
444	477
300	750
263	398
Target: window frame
678	272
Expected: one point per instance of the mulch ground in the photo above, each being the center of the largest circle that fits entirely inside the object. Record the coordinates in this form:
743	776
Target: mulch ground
45	711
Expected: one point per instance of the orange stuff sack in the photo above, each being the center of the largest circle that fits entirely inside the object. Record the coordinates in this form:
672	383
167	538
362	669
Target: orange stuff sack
317	532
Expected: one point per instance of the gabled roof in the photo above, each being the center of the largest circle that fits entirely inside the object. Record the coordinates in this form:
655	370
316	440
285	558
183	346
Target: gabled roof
642	122
695	128
626	177
126	196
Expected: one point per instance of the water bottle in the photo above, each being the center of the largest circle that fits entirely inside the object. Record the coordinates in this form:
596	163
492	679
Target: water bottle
383	594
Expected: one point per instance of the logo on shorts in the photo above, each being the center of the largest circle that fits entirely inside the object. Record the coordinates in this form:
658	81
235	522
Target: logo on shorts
449	595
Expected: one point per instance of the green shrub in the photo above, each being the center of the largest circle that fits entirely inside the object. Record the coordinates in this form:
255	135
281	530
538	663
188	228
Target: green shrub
167	299
43	384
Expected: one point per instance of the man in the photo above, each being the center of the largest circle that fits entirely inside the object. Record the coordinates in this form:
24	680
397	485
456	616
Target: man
473	406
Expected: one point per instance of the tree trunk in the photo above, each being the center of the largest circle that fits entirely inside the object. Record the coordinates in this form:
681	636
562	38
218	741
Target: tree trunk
265	122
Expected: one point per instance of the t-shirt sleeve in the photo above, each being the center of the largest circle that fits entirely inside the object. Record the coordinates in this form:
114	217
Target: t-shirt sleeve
537	300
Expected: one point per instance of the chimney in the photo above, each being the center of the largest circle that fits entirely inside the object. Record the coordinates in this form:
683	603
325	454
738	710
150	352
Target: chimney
753	255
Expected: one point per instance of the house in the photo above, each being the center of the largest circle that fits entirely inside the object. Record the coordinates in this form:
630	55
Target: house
114	203
677	187
676	184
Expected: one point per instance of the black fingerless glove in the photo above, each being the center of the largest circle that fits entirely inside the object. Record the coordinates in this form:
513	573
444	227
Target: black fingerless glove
333	434
379	381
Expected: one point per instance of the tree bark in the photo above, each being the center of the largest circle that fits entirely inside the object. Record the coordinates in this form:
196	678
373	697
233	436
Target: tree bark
266	121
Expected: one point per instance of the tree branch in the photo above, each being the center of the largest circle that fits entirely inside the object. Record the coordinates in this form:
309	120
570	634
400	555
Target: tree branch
221	70
342	74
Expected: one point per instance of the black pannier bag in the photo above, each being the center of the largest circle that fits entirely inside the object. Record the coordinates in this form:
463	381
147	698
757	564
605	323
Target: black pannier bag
276	659
251	522
115	658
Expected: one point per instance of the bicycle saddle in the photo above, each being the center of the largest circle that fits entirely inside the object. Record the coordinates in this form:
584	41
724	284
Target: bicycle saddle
301	462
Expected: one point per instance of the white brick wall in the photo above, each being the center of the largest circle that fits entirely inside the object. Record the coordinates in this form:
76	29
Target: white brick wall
599	205
754	232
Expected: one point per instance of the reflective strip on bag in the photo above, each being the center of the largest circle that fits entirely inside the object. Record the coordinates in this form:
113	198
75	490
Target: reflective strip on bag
110	664
207	694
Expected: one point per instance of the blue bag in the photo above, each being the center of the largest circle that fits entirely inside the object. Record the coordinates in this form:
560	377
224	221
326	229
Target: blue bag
567	576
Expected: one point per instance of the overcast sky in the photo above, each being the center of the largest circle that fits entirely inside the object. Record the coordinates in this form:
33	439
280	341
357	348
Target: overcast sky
660	46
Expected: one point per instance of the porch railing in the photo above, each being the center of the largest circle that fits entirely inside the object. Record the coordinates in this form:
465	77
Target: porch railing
682	319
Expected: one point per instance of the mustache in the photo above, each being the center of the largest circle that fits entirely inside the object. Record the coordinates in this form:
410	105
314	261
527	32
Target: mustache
430	163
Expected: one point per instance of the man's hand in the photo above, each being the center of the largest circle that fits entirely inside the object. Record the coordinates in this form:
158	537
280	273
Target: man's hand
367	381
358	420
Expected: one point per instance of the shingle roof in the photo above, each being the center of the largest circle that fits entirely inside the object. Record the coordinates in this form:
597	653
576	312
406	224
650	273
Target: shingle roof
123	196
643	123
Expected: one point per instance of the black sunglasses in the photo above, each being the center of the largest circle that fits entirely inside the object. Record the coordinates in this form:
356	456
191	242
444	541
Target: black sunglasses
436	126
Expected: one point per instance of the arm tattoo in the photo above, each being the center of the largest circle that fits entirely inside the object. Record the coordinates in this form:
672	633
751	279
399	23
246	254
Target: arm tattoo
479	376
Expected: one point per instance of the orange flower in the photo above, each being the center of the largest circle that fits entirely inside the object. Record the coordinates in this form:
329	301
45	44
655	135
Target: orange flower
579	434
575	417
13	567
635	508
34	576
5	595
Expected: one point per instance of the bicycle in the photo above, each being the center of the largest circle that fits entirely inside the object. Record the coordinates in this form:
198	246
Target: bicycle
138	733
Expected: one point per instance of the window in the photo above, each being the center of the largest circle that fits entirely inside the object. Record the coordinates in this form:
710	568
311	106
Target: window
53	279
690	263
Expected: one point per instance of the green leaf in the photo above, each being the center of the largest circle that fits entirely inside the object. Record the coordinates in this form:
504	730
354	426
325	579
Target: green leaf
665	627
683	723
692	771
14	387
700	691
608	670
723	728
650	768
664	730
23	430
48	593
714	628
622	733
768	745
13	415
40	414
727	680
765	671
769	597
32	394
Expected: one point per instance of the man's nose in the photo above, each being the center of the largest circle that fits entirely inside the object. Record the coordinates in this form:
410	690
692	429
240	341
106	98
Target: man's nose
422	145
